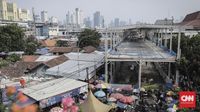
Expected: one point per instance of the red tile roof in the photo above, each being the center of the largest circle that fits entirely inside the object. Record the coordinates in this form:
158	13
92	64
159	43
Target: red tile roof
29	58
63	49
19	68
49	43
89	49
192	19
56	61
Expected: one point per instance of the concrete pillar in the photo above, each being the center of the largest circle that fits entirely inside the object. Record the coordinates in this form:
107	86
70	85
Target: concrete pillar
178	55
111	72
106	62
161	38
165	38
140	74
169	70
170	46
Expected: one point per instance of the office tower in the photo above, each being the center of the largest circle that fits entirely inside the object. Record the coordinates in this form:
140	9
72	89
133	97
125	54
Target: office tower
97	19
44	16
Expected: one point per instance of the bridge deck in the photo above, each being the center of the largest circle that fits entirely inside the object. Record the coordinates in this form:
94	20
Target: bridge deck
141	50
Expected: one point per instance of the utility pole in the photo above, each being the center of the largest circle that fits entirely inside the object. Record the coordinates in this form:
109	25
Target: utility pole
106	54
178	54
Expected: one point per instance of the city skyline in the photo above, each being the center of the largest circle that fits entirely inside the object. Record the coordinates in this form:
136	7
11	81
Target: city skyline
137	10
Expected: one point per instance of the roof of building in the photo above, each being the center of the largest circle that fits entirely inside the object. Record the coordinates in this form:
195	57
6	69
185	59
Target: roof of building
45	58
19	68
63	49
49	43
192	16
52	88
164	22
75	67
89	49
56	61
29	58
192	19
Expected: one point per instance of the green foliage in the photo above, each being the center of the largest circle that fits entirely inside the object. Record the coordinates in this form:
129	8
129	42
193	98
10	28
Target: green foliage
13	58
2	108
12	38
189	64
89	37
61	43
3	63
31	47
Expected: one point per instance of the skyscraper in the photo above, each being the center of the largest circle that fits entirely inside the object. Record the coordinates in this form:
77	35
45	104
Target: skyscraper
102	22
3	10
97	19
44	16
116	22
68	18
77	16
87	22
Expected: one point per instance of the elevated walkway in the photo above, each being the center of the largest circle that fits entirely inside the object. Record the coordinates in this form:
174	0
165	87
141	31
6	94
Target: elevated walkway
140	50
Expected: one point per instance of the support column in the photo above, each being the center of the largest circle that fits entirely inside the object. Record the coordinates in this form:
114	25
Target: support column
111	72
161	38
178	55
106	62
140	74
165	38
169	70
170	46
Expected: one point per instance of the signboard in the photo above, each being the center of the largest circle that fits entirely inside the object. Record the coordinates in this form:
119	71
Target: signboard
58	98
187	99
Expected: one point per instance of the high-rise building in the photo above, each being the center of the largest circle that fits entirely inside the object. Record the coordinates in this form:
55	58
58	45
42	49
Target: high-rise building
102	22
68	18
3	10
24	14
97	19
54	20
77	12
87	22
116	22
12	12
44	16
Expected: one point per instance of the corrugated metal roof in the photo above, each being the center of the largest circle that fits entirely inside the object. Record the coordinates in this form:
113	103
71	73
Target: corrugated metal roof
52	88
44	58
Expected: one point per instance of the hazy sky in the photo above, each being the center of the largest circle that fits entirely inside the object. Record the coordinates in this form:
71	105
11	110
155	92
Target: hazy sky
137	10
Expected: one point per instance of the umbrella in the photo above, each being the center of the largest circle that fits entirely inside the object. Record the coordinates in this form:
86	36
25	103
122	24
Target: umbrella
127	88
126	100
102	86
142	89
111	99
170	93
116	95
135	97
56	109
135	91
67	102
121	105
100	94
74	108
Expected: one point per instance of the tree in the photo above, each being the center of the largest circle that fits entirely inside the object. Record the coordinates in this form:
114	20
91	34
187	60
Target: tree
12	38
13	58
61	43
89	37
30	49
31	45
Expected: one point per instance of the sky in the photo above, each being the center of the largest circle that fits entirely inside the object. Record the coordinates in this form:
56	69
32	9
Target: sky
136	10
